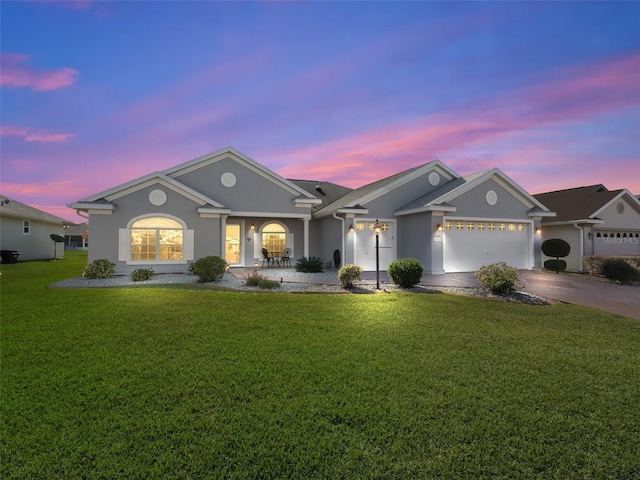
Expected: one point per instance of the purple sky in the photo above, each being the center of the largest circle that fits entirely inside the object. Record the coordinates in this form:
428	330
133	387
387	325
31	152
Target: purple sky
95	94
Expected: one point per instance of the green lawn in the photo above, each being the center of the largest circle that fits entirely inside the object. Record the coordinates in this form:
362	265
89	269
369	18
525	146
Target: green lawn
196	383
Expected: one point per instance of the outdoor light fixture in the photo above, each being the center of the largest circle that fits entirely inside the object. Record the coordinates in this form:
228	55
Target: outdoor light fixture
376	229
252	226
439	227
351	228
538	230
590	235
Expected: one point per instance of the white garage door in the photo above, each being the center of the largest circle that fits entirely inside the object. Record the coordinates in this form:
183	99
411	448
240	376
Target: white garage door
608	242
365	244
469	244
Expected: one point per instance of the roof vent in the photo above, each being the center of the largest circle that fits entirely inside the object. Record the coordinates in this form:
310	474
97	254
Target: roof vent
319	190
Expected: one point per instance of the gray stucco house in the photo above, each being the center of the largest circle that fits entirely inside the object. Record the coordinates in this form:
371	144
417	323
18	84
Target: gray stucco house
594	221
227	204
28	230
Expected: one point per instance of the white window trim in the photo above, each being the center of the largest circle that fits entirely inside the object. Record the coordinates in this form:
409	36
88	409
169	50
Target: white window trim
124	247
27	224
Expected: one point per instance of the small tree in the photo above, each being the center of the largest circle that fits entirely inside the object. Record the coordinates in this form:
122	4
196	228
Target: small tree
558	248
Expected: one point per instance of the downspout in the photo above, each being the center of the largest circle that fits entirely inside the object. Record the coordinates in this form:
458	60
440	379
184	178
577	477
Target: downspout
581	243
343	253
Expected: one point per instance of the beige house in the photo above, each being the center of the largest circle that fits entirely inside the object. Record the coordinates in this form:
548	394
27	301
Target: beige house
594	221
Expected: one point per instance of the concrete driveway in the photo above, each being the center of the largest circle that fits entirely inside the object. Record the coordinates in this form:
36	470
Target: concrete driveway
581	290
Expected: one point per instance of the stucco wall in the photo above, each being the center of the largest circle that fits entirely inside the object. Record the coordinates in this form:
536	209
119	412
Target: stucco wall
251	193
386	205
105	228
569	234
35	246
474	203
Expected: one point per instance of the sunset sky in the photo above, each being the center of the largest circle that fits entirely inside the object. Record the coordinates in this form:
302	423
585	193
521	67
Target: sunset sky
94	94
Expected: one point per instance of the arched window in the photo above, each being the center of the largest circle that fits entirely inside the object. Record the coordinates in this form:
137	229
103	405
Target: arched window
274	237
157	239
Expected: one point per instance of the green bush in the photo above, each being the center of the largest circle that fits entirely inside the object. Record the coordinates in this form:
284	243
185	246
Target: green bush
310	265
498	277
267	284
405	272
593	263
620	271
253	280
348	274
101	268
208	269
555	265
142	274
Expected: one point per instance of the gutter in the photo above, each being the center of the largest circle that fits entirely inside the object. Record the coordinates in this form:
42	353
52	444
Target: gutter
581	243
342	252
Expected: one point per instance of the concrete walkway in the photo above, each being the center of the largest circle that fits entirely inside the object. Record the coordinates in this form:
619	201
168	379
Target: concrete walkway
600	294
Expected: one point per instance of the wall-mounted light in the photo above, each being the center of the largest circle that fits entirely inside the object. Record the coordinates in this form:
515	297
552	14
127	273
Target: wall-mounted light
252	226
439	227
590	235
538	230
351	228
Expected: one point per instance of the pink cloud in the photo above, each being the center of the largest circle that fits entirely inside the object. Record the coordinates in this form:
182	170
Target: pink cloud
573	95
31	136
15	74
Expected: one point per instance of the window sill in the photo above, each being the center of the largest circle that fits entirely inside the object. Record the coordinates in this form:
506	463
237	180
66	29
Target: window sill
156	262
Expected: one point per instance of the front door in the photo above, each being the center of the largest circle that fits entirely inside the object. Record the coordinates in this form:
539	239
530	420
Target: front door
233	245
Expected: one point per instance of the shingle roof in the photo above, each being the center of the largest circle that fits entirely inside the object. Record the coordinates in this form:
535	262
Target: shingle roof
433	195
14	208
358	193
576	203
328	193
78	229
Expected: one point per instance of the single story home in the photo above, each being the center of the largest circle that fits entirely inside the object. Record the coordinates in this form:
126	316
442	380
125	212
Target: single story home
28	230
227	204
594	221
76	237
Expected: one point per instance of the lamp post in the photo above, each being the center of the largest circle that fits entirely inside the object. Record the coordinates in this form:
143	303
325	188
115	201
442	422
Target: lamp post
376	229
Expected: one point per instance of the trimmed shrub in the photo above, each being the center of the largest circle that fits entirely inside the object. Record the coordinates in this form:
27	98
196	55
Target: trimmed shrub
142	274
558	248
253	280
208	269
267	284
620	271
405	272
556	265
310	265
348	274
499	278
101	268
593	263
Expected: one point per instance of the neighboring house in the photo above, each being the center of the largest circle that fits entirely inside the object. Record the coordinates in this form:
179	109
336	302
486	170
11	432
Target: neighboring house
228	205
594	221
28	231
76	237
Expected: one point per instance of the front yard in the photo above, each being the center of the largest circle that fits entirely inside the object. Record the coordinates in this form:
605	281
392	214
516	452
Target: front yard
159	382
